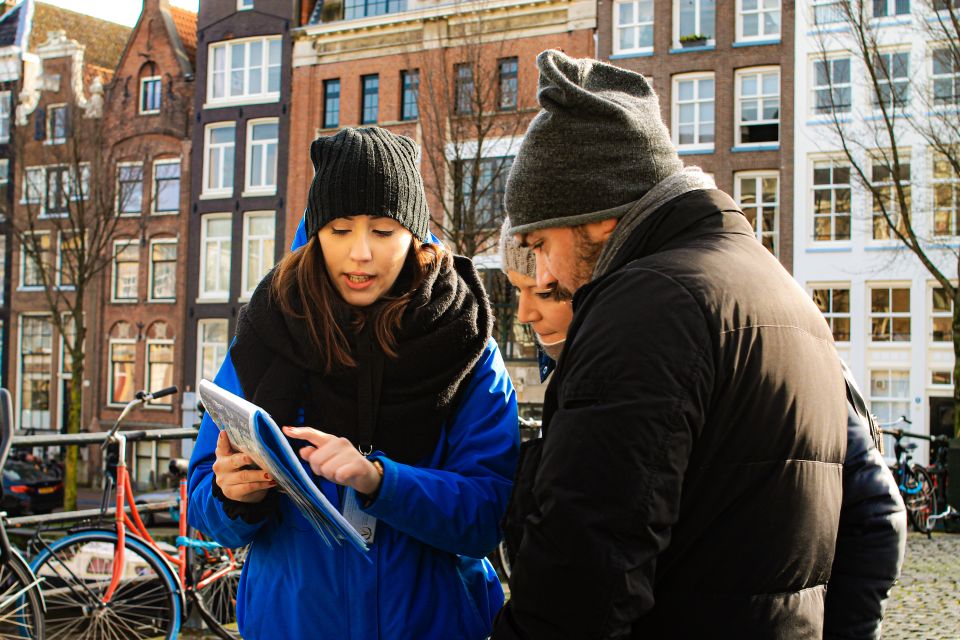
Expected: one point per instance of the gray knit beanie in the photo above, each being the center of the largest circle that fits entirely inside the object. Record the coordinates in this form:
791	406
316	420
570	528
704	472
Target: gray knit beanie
597	146
367	171
514	257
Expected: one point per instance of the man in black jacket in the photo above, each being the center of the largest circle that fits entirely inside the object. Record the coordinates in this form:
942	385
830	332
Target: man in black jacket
689	483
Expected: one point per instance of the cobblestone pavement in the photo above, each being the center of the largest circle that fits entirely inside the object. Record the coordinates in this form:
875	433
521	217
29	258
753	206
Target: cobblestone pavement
925	604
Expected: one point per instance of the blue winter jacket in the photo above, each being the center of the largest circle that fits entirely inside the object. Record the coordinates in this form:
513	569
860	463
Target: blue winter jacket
426	576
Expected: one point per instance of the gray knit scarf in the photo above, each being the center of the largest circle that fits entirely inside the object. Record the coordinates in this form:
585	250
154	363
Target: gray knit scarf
686	180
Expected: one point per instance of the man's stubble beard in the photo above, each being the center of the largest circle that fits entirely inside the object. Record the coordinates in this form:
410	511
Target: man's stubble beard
587	254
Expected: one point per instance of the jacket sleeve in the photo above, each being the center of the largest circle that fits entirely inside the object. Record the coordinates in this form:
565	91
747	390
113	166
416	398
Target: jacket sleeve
871	541
457	506
206	512
634	387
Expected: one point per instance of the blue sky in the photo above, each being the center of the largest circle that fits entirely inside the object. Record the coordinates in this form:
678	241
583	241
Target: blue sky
125	12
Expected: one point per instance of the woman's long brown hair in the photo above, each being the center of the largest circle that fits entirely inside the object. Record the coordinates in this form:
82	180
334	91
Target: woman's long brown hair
302	288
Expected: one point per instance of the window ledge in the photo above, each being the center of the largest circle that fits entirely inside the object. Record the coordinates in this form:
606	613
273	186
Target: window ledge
830	27
30	288
158	407
165	213
820	121
756	43
124	302
944	111
215	195
162	301
212	300
640	53
831	248
706	47
948	244
54	141
892	21
130	214
149	113
239	102
695	151
259	194
761	146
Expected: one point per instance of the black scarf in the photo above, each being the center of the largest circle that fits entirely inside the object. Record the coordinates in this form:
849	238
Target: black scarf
395	405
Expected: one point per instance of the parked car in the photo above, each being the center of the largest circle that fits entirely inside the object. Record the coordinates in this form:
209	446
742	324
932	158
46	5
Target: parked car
28	489
169	515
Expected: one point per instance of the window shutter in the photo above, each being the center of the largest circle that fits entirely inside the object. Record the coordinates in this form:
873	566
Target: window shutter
40	124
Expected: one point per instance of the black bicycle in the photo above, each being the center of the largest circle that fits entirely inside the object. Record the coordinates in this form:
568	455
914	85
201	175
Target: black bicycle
916	485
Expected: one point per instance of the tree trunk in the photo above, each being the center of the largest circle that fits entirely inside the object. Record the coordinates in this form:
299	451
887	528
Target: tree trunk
956	363
75	416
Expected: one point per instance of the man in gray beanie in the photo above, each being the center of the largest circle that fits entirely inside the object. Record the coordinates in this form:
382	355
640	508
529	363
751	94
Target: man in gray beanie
689	482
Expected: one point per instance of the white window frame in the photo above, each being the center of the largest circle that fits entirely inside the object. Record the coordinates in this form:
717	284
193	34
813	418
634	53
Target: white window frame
834	163
165	403
24	258
220	348
248	218
889	186
697	78
5	112
934	314
219	191
816	5
833	86
891	315
831	314
50	139
882	81
636	25
890	10
758	177
760	98
264	146
217	295
953	77
150	269
143	81
245	97
761	13
119	190
153	187
60	239
953	183
35	193
113	272
20	373
111	342
66	192
891	399
711	41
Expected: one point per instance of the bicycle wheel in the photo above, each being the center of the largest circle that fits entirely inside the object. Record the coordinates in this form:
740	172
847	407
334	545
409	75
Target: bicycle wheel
920	497
215	579
21	607
76	572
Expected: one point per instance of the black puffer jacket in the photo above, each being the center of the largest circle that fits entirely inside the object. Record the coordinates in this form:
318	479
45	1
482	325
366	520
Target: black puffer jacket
872	537
689	482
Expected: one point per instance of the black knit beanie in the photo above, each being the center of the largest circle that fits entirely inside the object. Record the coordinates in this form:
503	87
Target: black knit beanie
367	171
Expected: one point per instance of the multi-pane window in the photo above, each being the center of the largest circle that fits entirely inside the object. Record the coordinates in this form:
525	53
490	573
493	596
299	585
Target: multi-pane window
366	8
941	315
946	197
828	11
160	368
151	91
696	18
163	270
68	254
258	245
831	200
36	259
57	124
130	189
758	19
331	103
262	139
126	266
370	96
832	88
889	399
834	303
758	196
59	188
633	26
5	111
410	93
463	88
758	106
693	111
211	347
123	357
218	159
483	191
215	256
946	77
36	371
893	79
890	314
166	186
245	69
507	70
34	184
244	5
883	8
886	202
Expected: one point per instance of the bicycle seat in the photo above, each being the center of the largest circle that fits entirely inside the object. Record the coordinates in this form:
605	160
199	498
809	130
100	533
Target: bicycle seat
178	467
910	446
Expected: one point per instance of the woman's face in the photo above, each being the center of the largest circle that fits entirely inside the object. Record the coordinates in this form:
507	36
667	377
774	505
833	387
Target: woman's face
364	255
539	307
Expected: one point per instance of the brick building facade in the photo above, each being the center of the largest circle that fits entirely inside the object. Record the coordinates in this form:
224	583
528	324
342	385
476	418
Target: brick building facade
743	137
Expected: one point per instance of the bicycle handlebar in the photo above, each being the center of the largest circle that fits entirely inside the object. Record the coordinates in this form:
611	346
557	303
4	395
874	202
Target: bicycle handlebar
900	433
156	395
140	397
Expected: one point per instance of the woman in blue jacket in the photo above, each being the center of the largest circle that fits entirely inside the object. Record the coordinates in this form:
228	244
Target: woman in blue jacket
375	345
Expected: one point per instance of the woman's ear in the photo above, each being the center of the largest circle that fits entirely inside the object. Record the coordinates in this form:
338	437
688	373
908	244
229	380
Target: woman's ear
315	150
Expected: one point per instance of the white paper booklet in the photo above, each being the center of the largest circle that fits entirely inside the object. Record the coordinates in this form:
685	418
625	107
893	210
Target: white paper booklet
253	431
